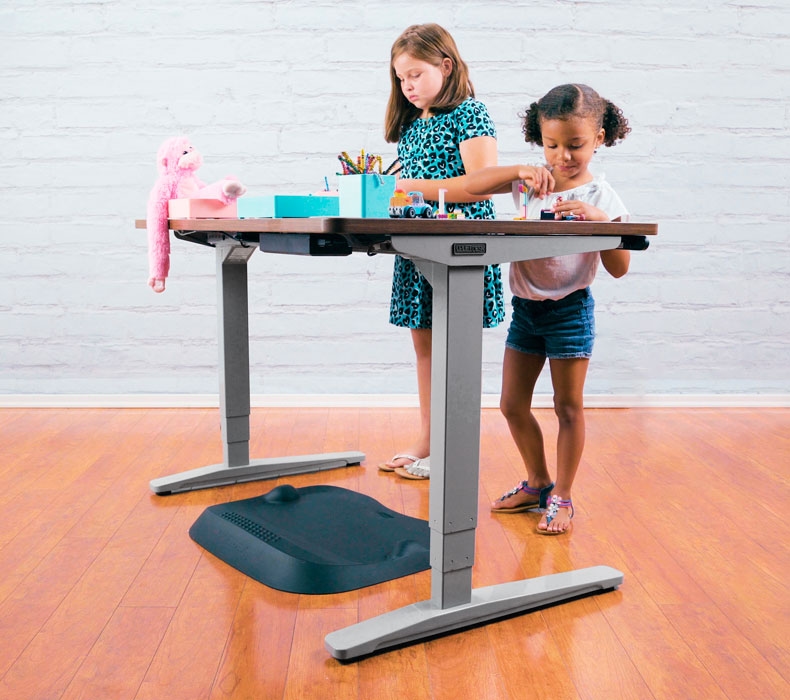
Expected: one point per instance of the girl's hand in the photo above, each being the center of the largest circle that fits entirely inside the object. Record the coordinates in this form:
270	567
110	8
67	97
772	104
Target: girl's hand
406	185
586	212
539	179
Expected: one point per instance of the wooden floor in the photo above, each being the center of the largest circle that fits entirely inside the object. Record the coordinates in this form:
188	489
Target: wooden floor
103	595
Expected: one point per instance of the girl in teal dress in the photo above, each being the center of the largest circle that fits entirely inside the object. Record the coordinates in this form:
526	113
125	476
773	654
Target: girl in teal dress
443	134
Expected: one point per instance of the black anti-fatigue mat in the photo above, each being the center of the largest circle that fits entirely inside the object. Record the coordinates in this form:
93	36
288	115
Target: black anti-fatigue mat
317	539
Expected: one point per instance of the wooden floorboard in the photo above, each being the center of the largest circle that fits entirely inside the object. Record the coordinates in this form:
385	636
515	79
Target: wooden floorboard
104	595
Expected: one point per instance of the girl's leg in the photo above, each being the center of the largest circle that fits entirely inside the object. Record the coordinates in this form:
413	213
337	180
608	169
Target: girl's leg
520	372
421	448
567	378
422	338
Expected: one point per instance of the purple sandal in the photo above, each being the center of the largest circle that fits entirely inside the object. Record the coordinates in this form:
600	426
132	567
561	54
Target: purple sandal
551	513
540	501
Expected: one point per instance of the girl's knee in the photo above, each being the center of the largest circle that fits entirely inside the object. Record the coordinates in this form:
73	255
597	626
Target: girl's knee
513	408
568	412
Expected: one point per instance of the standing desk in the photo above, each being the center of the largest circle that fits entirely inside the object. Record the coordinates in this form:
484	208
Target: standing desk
452	254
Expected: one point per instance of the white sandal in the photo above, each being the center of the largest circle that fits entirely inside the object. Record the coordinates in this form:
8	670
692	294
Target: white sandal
387	466
417	470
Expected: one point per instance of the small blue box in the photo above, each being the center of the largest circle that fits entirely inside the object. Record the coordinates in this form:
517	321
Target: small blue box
365	196
284	206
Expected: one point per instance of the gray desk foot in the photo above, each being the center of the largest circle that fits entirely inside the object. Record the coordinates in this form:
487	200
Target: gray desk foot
423	620
271	468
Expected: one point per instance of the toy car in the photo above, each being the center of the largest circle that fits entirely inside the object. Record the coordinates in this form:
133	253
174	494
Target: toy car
410	206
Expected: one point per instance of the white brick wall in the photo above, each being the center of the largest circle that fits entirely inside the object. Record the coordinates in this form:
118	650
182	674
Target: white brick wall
274	90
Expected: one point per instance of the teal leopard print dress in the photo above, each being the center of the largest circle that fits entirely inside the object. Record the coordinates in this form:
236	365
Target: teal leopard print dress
429	149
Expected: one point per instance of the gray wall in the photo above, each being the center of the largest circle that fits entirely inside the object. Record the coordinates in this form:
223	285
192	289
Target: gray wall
272	91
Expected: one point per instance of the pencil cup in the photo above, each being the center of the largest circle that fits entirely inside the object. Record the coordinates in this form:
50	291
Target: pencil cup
365	196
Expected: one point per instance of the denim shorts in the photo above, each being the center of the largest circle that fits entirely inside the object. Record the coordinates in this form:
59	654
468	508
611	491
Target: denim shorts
558	330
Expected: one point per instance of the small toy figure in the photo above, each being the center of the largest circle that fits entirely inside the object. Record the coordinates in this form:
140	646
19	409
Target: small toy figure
409	206
524	191
177	161
442	213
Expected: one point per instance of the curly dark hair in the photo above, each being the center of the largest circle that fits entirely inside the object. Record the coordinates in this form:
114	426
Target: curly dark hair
575	100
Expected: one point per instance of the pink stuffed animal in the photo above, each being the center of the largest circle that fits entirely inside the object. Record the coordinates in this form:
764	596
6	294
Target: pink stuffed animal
177	160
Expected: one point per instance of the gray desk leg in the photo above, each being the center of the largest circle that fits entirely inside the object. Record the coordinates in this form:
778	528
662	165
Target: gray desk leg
455	428
455	449
234	395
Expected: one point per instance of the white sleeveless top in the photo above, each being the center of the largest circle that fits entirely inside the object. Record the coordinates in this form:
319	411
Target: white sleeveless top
556	278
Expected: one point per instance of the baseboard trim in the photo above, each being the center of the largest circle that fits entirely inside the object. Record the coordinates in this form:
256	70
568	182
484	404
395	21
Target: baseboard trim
380	401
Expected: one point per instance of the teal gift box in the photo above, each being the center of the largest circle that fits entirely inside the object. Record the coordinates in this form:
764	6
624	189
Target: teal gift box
366	196
281	206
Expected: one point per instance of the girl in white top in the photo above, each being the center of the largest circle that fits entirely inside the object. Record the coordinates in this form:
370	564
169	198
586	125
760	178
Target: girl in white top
553	309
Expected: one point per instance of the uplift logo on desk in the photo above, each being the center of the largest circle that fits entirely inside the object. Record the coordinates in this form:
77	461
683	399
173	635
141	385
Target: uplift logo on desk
469	248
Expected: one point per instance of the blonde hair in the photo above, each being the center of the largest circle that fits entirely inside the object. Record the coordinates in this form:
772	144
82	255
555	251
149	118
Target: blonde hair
432	44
